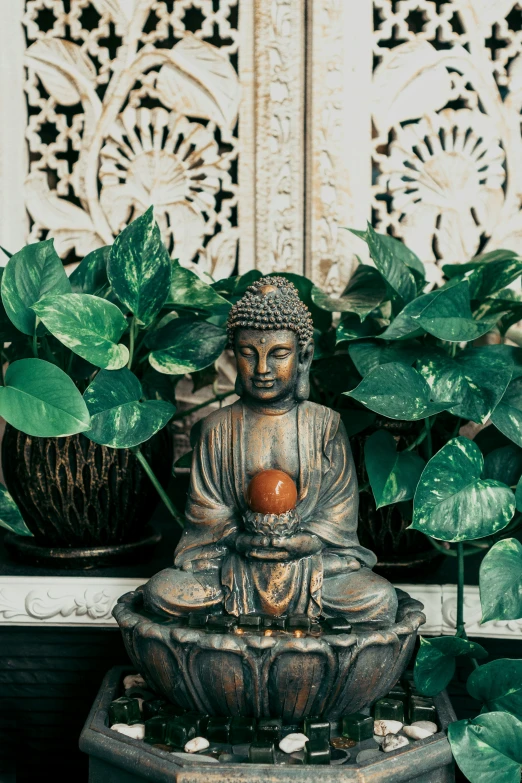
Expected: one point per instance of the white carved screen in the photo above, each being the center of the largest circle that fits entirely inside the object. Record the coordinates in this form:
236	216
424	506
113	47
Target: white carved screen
405	112
436	127
132	103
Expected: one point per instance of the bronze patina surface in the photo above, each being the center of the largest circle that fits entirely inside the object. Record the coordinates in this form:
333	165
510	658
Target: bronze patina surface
233	561
218	564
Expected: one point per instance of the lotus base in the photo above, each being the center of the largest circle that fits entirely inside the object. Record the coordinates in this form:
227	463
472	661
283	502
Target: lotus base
289	675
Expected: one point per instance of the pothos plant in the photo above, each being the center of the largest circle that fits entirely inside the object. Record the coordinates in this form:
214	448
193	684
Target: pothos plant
100	352
420	357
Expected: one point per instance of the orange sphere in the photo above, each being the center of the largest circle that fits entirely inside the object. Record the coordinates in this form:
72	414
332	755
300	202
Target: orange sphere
272	492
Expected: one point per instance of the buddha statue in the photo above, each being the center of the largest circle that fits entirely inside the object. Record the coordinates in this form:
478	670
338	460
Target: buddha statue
234	556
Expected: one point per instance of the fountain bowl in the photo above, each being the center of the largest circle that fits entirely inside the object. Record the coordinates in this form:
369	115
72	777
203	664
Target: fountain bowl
285	675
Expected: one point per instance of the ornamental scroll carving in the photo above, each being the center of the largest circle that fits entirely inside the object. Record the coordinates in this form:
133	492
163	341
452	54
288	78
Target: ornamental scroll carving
447	147
133	102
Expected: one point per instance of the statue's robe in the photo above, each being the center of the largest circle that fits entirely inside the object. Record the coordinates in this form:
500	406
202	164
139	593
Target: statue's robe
209	574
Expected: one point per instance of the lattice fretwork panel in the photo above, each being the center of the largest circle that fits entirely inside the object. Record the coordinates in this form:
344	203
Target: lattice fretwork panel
132	103
447	149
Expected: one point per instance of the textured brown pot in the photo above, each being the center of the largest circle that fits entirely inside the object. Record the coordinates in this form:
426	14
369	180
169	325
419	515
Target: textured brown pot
75	493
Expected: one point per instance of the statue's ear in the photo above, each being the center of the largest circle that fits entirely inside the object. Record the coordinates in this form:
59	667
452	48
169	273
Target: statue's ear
302	389
306	354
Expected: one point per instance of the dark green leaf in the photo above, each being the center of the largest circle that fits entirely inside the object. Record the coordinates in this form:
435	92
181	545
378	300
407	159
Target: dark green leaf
493	277
498	685
118	418
10	516
488	749
158	386
90	276
435	662
185	345
501	581
393	476
41	400
6	252
389	256
32	273
507	416
370	354
234	287
505	464
356	420
477	378
365	291
453	503
458	270
351	328
139	268
188	291
91	327
448	315
184	461
489	275
398	392
404	324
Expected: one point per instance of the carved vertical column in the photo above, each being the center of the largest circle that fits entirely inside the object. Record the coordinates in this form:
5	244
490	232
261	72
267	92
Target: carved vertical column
13	157
338	123
272	71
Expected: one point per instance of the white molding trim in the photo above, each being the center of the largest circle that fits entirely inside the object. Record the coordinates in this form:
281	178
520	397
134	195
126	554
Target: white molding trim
61	601
88	602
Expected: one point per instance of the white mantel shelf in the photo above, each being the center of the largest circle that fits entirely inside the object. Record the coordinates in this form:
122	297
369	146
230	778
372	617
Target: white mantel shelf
88	601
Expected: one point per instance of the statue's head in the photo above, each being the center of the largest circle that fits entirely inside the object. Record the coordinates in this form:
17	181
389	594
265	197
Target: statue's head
271	332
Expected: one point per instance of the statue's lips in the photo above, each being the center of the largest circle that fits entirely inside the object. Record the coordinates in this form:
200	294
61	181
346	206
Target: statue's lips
264	384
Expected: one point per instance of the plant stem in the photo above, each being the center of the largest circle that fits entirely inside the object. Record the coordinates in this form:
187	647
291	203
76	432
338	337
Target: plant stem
216	398
35	340
450	552
460	589
429	444
131	341
161	492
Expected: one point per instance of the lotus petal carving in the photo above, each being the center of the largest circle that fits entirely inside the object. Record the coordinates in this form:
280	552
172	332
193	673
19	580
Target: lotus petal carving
280	676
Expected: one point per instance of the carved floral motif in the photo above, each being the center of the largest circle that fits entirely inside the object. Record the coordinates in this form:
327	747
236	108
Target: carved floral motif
447	94
109	128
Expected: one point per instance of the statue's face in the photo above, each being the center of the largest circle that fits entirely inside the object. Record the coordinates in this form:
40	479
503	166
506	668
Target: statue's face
268	363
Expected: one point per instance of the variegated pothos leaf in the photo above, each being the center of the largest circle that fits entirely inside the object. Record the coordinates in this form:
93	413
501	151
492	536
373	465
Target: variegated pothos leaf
453	503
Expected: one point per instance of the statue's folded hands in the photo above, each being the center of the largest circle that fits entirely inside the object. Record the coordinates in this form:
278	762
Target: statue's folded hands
298	545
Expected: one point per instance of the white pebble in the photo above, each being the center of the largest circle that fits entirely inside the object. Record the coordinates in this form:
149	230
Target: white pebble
384	727
416	732
200	758
293	742
133	681
394	742
377	739
428	725
198	743
137	731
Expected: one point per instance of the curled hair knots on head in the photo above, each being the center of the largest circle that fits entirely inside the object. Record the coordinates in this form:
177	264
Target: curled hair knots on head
271	303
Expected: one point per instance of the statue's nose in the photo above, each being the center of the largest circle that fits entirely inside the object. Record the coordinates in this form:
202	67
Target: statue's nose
262	367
